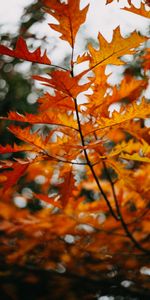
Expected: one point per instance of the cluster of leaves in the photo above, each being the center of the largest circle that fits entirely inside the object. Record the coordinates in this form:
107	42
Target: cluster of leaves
94	165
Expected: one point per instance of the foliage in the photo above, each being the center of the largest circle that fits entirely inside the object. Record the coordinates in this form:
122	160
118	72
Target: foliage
94	165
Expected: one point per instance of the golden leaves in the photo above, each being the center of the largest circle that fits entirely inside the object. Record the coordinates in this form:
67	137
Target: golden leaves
85	154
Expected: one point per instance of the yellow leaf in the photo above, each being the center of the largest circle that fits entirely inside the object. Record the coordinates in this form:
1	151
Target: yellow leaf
135	157
131	111
110	53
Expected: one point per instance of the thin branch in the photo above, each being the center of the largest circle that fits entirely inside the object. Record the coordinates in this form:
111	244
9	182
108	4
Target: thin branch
58	67
67	161
58	159
110	180
89	163
136	220
129	234
119	214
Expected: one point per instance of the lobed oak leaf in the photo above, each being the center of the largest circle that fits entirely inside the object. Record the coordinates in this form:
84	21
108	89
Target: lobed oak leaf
69	16
15	148
135	130
130	147
48	117
139	11
130	112
99	89
110	53
123	174
129	90
21	51
82	58
47	102
65	83
28	137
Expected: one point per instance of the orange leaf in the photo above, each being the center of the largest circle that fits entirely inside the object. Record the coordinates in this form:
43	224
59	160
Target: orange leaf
64	102
16	148
64	82
49	117
69	16
28	137
139	11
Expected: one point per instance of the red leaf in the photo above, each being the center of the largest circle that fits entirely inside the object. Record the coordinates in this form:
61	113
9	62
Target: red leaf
21	51
13	175
49	200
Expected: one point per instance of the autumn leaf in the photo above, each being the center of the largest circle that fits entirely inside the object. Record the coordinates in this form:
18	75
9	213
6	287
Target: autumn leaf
110	53
64	82
16	170
130	147
49	200
28	137
15	148
139	11
69	16
128	90
146	60
135	157
21	51
66	187
49	117
130	112
49	102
